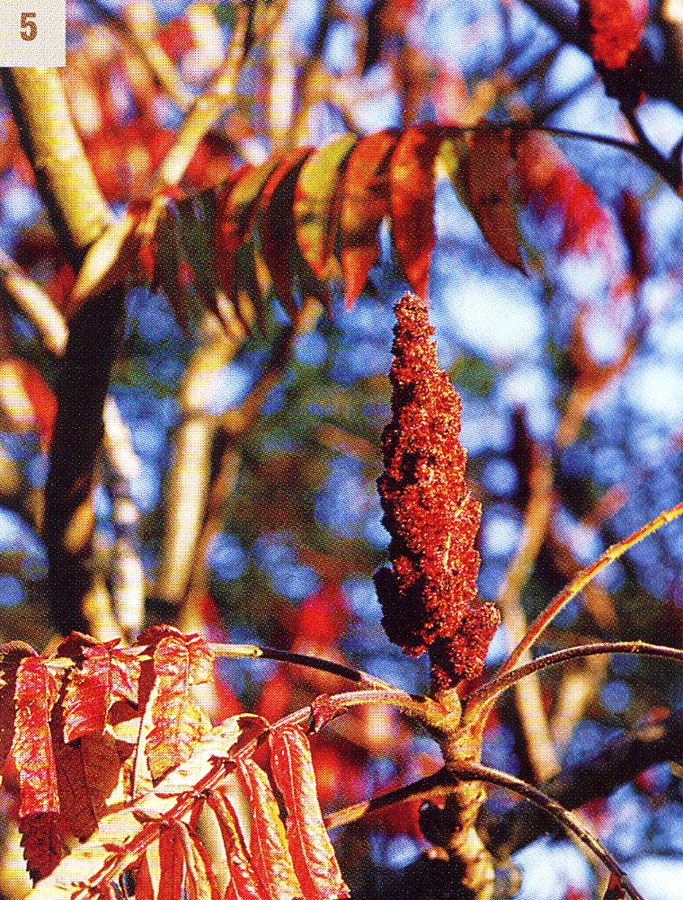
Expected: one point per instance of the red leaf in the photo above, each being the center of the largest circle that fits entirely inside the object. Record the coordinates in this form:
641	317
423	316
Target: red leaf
42	399
172	868
485	178
243	883
364	202
104	675
201	880
276	225
411	177
313	856
10	656
180	661
268	845
324	709
35	695
43	848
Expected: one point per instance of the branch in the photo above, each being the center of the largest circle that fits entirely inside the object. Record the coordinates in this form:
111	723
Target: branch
584	577
36	304
253	651
469	771
489	692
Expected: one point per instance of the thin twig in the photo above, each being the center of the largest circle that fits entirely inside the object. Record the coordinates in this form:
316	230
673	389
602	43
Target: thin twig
493	689
584	577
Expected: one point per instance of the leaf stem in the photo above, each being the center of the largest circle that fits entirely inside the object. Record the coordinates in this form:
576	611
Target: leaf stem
253	651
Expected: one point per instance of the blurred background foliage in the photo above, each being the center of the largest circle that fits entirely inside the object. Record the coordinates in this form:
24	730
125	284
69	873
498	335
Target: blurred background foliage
576	367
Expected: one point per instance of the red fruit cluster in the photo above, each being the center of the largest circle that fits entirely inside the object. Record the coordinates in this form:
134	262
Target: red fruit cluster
431	516
614	29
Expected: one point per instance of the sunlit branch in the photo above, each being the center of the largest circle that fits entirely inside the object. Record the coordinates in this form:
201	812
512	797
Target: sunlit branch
490	691
467	771
253	651
36	304
583	578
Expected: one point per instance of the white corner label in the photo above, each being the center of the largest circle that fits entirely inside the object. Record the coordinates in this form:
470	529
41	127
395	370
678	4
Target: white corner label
33	33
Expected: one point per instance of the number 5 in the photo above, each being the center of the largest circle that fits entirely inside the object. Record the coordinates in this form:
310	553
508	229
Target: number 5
29	29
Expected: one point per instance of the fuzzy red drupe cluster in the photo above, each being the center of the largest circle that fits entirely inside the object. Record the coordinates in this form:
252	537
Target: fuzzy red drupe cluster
427	595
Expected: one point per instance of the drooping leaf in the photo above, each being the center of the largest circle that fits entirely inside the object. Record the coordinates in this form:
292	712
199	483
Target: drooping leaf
201	881
42	399
411	177
243	883
313	856
41	842
364	202
172	864
235	210
269	853
195	224
34	696
122	835
169	268
178	722
10	656
148	874
104	674
87	775
276	225
485	177
313	203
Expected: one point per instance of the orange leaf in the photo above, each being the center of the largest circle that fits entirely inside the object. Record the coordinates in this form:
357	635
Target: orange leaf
314	200
148	875
104	675
178	723
276	225
485	176
34	697
43	848
268	845
411	178
243	883
313	856
201	880
364	200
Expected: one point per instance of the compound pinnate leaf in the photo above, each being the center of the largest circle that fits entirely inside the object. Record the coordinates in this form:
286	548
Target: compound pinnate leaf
10	656
313	856
34	696
411	177
364	202
269	852
104	674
